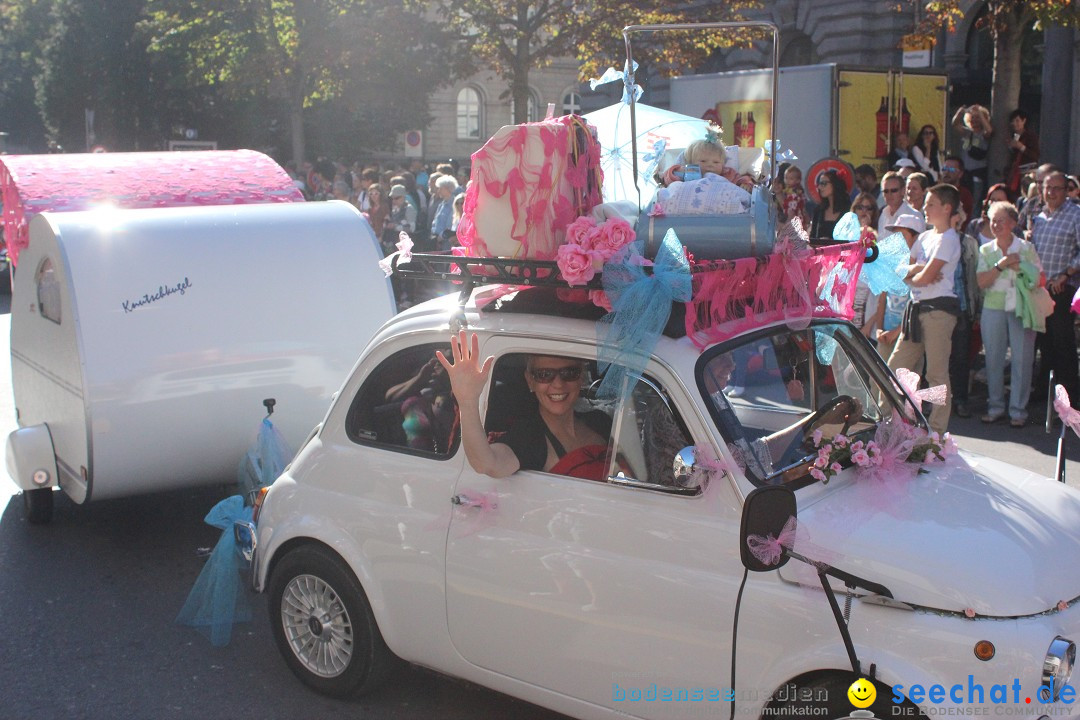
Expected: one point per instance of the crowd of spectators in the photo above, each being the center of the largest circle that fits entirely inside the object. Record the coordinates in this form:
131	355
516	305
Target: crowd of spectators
422	201
987	261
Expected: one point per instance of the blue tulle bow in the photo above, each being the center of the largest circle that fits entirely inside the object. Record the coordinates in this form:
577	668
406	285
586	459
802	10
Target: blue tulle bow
612	75
641	305
881	275
779	155
847	228
218	600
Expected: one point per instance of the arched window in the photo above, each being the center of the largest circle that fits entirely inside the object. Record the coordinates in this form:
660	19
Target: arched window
469	113
571	102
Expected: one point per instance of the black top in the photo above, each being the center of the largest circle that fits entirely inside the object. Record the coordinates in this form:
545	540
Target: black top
528	437
820	228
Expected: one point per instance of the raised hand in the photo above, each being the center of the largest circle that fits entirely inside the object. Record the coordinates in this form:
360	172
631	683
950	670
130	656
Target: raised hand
468	375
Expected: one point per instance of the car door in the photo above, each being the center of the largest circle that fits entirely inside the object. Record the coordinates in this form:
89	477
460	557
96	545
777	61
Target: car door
608	592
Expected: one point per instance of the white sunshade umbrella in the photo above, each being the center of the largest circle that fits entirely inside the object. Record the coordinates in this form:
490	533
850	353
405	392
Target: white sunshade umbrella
668	130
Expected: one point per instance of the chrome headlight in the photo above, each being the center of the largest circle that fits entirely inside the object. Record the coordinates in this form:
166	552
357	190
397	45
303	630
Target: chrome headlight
1057	667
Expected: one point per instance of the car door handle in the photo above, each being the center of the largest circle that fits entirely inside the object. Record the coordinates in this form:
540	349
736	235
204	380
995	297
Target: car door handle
484	501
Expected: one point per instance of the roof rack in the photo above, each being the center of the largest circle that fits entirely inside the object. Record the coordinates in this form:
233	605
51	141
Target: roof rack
470	272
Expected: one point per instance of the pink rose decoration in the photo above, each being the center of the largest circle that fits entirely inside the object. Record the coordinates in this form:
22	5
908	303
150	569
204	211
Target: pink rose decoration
576	264
817	475
860	458
600	299
612	236
580	231
835	467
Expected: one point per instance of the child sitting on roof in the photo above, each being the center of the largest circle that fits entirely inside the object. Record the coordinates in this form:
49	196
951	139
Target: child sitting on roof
716	193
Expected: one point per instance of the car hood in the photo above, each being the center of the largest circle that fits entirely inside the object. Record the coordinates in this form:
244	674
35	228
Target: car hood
970	534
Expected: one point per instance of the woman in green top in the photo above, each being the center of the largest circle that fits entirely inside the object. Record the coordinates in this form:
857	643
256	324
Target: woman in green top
1008	269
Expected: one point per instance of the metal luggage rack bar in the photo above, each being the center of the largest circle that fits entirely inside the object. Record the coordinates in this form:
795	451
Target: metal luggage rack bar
473	271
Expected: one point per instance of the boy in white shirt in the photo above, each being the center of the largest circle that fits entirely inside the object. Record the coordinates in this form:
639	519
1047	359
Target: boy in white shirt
931	314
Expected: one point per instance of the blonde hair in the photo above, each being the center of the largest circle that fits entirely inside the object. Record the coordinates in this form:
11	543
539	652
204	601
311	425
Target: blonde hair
1002	206
980	111
698	148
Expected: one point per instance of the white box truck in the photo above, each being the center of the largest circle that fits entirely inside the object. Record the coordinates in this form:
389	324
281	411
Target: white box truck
826	110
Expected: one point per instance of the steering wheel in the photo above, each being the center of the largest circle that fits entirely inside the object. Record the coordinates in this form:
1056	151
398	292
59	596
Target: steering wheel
842	408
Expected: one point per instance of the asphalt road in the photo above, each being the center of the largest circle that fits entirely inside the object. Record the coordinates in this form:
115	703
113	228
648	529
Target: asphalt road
87	607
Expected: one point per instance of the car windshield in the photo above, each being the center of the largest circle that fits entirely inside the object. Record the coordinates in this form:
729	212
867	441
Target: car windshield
770	390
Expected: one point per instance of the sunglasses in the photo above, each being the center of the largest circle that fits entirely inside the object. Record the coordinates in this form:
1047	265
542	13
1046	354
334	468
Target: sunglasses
929	132
890	191
867	208
822	182
547	375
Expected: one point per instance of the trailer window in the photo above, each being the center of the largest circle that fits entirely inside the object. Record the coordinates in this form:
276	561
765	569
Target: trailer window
48	291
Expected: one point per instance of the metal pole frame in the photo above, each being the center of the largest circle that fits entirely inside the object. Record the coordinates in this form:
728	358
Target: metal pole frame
630	29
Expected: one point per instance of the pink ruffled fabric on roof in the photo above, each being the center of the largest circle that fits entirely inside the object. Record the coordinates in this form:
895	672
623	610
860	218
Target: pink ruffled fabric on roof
738	296
544	198
32	184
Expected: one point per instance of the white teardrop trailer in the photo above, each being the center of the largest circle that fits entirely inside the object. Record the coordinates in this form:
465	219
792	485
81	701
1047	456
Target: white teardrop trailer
144	342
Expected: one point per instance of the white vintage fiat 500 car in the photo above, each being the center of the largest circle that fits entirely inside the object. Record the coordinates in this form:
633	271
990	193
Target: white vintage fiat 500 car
665	587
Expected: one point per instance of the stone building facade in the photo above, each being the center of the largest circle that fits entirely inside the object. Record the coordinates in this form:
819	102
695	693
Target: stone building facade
468	112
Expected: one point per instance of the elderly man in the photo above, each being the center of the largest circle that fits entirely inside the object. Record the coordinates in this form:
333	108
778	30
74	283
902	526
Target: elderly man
1034	207
442	217
1056	235
892	189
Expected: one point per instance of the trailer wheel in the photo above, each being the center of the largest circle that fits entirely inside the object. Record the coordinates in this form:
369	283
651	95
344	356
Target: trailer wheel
38	505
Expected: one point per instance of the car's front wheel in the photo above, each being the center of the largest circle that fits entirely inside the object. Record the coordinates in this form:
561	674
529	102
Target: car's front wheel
323	624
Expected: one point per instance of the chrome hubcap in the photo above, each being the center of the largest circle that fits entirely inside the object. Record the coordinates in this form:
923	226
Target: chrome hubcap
317	625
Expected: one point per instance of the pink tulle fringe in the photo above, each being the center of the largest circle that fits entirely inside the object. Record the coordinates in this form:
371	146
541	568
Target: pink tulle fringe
731	298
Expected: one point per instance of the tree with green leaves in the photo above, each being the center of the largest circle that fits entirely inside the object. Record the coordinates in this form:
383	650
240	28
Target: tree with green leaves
304	54
22	25
1007	20
516	36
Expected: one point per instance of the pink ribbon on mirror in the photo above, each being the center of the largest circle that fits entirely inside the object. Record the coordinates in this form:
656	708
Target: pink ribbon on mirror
768	550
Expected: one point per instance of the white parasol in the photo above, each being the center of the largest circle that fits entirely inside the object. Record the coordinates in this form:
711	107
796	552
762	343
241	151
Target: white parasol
661	135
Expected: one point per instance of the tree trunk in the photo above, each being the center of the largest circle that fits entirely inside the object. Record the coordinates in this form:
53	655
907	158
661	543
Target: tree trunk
296	127
1005	93
519	80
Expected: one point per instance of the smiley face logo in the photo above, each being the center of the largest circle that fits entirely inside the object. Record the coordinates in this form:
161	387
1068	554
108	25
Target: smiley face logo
862	694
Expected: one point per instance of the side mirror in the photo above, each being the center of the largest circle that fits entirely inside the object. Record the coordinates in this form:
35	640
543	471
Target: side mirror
683	468
765	513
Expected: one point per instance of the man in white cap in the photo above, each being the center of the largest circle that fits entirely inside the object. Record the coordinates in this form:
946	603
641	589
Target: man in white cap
892	190
891	312
402	213
905	166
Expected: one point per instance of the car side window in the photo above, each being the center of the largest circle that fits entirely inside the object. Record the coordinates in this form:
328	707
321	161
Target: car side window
648	435
642	433
406	404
